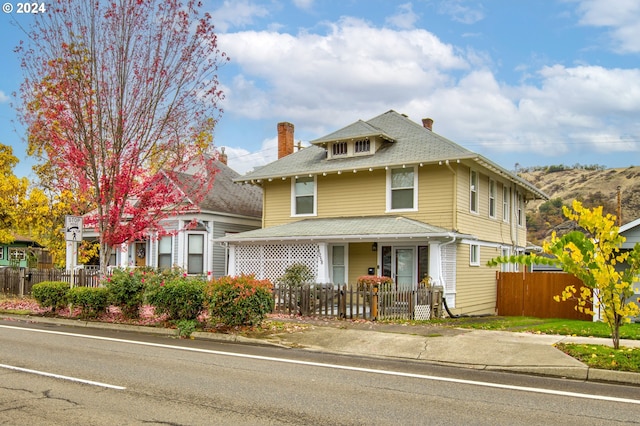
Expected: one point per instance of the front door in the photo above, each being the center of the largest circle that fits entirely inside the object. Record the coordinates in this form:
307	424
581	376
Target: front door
405	268
141	254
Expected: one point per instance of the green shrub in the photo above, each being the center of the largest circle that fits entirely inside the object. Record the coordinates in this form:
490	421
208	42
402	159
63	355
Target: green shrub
186	327
50	294
241	300
181	298
126	291
93	301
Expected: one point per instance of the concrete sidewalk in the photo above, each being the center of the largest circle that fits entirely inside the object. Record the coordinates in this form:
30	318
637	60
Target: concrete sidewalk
479	349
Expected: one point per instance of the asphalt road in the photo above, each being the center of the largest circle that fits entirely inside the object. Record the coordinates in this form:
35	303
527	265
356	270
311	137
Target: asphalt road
106	378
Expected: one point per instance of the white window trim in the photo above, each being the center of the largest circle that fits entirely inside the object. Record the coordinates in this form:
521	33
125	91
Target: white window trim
474	248
293	197
492	198
520	209
474	192
205	252
415	190
506	205
171	257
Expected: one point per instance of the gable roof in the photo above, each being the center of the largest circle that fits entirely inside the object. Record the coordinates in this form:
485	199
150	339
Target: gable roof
359	129
345	229
226	196
408	143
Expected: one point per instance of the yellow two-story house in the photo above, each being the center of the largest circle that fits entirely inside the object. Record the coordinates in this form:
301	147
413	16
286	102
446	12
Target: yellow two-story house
386	196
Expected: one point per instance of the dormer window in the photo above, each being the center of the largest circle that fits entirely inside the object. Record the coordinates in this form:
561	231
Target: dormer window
339	148
362	145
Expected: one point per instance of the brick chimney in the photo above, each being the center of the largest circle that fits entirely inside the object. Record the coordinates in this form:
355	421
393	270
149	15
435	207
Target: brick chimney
285	139
222	157
427	123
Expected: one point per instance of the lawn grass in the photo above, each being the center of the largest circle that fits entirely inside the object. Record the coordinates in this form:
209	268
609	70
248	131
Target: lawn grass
564	327
604	357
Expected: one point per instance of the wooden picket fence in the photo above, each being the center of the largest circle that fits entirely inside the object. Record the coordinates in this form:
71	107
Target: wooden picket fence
19	281
368	302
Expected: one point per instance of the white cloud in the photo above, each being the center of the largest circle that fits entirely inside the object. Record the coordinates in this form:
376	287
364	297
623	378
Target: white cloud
303	4
405	18
460	12
243	161
3	97
353	69
321	82
622	18
237	14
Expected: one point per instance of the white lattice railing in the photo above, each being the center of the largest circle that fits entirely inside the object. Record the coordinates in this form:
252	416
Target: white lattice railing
270	261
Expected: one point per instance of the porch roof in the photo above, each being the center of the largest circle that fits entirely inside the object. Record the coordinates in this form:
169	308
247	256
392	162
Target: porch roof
368	228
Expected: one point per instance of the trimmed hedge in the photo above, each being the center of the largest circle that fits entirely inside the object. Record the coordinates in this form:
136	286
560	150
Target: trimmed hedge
180	298
93	301
50	294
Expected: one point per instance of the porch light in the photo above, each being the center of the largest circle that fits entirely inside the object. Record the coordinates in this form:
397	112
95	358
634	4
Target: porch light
374	247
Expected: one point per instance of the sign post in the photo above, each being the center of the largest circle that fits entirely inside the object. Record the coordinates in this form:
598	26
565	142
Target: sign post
72	235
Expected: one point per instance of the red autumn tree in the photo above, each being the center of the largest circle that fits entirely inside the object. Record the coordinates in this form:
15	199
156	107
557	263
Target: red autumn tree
120	100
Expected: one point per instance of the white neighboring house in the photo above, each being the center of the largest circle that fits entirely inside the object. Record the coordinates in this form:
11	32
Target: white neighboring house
228	208
631	231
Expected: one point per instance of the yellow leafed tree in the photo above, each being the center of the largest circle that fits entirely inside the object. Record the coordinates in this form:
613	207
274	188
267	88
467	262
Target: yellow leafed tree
609	274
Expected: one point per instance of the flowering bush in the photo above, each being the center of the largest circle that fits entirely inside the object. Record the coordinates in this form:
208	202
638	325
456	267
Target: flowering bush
50	294
365	281
241	300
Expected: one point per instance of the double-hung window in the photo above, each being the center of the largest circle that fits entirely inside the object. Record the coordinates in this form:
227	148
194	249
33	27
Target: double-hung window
474	255
492	198
473	192
304	196
195	253
402	189
164	252
505	203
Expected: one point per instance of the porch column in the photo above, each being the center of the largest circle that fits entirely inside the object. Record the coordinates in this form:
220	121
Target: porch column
124	255
231	267
435	264
323	263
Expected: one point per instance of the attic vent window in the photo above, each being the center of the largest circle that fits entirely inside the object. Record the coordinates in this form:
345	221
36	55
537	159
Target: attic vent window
339	148
362	146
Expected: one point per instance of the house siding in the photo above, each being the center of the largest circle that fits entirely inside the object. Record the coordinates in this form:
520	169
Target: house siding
475	285
359	194
361	258
219	252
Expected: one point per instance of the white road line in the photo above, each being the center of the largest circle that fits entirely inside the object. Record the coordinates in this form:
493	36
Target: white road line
345	367
59	376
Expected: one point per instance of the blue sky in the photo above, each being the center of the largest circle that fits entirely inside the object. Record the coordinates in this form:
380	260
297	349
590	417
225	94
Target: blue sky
532	82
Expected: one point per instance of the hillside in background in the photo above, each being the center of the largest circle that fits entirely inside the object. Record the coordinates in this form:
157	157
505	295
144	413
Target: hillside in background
593	185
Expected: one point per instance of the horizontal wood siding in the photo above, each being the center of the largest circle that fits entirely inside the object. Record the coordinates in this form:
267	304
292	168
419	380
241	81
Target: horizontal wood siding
219	255
356	194
361	257
277	202
475	285
435	196
486	228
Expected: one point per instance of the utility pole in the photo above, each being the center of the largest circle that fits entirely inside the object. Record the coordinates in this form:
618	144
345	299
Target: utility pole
619	207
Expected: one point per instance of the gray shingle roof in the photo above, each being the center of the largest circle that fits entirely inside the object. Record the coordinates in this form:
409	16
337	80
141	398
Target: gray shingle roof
227	196
407	143
343	228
